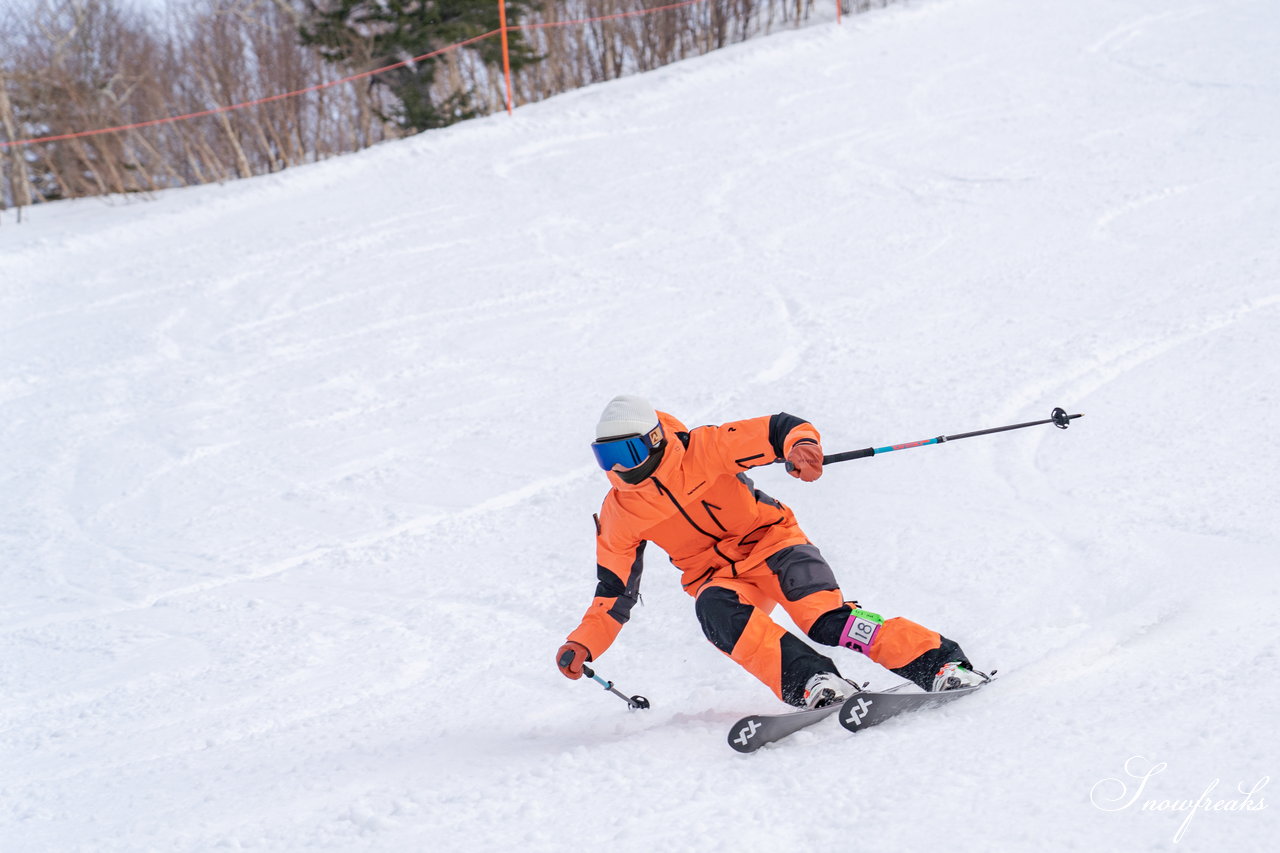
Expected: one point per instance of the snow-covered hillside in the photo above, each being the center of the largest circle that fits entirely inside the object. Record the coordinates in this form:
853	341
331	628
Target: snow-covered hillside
297	494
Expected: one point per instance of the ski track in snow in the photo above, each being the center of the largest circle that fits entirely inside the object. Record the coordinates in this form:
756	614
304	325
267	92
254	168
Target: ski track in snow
298	505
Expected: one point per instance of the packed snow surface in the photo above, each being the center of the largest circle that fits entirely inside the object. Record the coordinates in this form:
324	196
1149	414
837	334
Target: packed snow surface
297	494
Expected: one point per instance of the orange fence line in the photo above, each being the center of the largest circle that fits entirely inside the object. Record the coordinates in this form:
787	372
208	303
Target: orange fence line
506	53
280	97
503	29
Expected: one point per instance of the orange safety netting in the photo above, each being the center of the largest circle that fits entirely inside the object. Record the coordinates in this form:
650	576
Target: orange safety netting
503	30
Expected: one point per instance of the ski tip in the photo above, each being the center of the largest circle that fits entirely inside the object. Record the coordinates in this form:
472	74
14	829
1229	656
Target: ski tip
744	736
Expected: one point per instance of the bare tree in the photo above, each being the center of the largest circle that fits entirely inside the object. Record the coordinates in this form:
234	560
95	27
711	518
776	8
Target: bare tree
77	66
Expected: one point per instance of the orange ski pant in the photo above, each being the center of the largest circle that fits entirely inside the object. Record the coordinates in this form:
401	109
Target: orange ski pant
735	616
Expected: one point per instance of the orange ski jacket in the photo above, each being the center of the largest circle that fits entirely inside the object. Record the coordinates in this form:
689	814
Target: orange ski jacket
698	506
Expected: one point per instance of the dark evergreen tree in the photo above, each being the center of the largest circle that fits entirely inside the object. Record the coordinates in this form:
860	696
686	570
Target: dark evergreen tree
376	33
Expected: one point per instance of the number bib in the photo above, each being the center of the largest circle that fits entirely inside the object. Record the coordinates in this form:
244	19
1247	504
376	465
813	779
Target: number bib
861	629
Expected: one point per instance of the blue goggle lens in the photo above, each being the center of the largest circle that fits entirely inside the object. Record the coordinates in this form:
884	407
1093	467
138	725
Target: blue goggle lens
627	452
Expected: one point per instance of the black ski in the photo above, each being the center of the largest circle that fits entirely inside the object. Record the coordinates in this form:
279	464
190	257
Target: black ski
865	709
862	710
751	733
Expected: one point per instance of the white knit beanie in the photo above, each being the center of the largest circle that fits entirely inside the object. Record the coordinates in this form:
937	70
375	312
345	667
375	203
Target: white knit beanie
626	415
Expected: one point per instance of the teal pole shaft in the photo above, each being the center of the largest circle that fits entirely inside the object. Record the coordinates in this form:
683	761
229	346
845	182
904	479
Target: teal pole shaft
632	701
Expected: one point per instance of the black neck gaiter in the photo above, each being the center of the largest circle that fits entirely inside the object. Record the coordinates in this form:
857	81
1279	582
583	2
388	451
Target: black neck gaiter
637	475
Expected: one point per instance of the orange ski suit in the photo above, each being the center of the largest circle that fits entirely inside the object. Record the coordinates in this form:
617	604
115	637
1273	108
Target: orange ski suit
740	553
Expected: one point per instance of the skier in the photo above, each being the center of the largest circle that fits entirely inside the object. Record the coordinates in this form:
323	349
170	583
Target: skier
740	553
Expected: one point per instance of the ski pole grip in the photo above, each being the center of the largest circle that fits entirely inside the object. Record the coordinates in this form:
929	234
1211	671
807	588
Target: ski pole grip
566	658
842	457
849	454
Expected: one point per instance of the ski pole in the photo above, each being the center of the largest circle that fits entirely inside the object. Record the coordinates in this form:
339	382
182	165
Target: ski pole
1058	418
632	701
637	702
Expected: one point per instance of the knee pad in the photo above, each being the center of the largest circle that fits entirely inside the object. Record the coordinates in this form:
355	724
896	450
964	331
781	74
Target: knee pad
801	570
723	616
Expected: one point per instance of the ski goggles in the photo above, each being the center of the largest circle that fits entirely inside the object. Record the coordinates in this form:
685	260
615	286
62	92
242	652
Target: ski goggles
627	451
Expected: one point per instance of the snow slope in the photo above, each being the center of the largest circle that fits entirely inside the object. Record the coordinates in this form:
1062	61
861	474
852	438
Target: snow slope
297	496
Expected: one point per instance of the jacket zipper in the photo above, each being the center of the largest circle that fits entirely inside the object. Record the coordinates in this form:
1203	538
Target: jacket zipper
663	490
